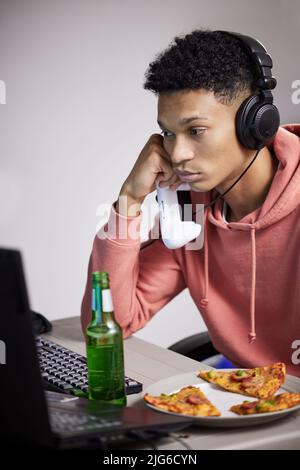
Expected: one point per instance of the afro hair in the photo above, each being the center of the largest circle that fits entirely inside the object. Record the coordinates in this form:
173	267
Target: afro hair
204	59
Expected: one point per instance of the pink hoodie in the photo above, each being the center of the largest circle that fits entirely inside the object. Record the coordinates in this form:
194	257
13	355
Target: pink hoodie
245	281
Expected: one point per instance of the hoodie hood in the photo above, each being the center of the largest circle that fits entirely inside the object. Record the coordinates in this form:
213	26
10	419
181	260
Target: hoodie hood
284	194
283	197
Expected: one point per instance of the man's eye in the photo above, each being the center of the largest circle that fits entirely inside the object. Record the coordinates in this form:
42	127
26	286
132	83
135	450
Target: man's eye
194	131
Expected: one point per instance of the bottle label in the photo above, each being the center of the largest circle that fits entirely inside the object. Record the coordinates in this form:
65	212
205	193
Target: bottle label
107	304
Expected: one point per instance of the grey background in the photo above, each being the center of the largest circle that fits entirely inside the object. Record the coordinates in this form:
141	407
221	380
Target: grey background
76	117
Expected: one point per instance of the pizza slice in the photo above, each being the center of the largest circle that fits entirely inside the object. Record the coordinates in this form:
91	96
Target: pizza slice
279	402
187	401
259	382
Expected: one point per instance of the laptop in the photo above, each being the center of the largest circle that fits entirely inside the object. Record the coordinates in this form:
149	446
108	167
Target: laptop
31	417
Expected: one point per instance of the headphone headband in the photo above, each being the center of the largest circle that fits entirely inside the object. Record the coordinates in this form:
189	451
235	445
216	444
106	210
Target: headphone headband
260	57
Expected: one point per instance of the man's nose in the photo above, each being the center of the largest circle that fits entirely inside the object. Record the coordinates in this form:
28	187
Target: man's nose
181	153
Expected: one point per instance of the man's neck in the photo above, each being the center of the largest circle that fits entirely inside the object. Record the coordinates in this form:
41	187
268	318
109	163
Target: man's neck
252	189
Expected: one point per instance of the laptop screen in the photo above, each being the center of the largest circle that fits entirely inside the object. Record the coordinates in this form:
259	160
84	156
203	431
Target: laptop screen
23	408
23	411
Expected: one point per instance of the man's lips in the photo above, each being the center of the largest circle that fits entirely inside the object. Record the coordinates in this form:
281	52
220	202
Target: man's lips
183	173
188	176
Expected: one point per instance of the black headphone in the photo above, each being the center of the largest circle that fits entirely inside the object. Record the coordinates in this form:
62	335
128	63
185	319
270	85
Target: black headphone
257	119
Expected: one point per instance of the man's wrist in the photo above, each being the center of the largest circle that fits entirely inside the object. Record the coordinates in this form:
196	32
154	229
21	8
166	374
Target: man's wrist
128	206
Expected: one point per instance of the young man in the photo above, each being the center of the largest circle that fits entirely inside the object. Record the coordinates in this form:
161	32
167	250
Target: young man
245	281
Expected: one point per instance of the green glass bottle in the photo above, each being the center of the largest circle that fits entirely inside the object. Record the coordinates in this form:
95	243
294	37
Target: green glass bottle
104	344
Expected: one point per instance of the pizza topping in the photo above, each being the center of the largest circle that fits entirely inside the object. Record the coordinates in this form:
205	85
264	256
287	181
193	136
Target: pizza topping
247	405
239	375
211	374
252	381
265	404
195	400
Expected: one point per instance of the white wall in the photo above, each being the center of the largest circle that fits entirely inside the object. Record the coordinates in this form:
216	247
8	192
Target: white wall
76	117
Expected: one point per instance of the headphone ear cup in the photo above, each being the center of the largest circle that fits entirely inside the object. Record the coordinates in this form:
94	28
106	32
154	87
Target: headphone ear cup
244	119
256	122
266	123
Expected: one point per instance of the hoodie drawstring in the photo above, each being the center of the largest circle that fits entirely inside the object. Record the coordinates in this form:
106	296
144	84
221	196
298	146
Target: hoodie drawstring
252	334
204	300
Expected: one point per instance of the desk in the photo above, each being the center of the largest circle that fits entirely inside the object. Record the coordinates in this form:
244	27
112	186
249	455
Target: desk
149	363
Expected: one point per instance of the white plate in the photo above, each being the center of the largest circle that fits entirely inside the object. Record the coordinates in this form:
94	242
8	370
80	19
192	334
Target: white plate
222	399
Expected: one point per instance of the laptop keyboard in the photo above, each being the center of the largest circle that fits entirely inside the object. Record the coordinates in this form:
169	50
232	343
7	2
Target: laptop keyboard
63	422
65	371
